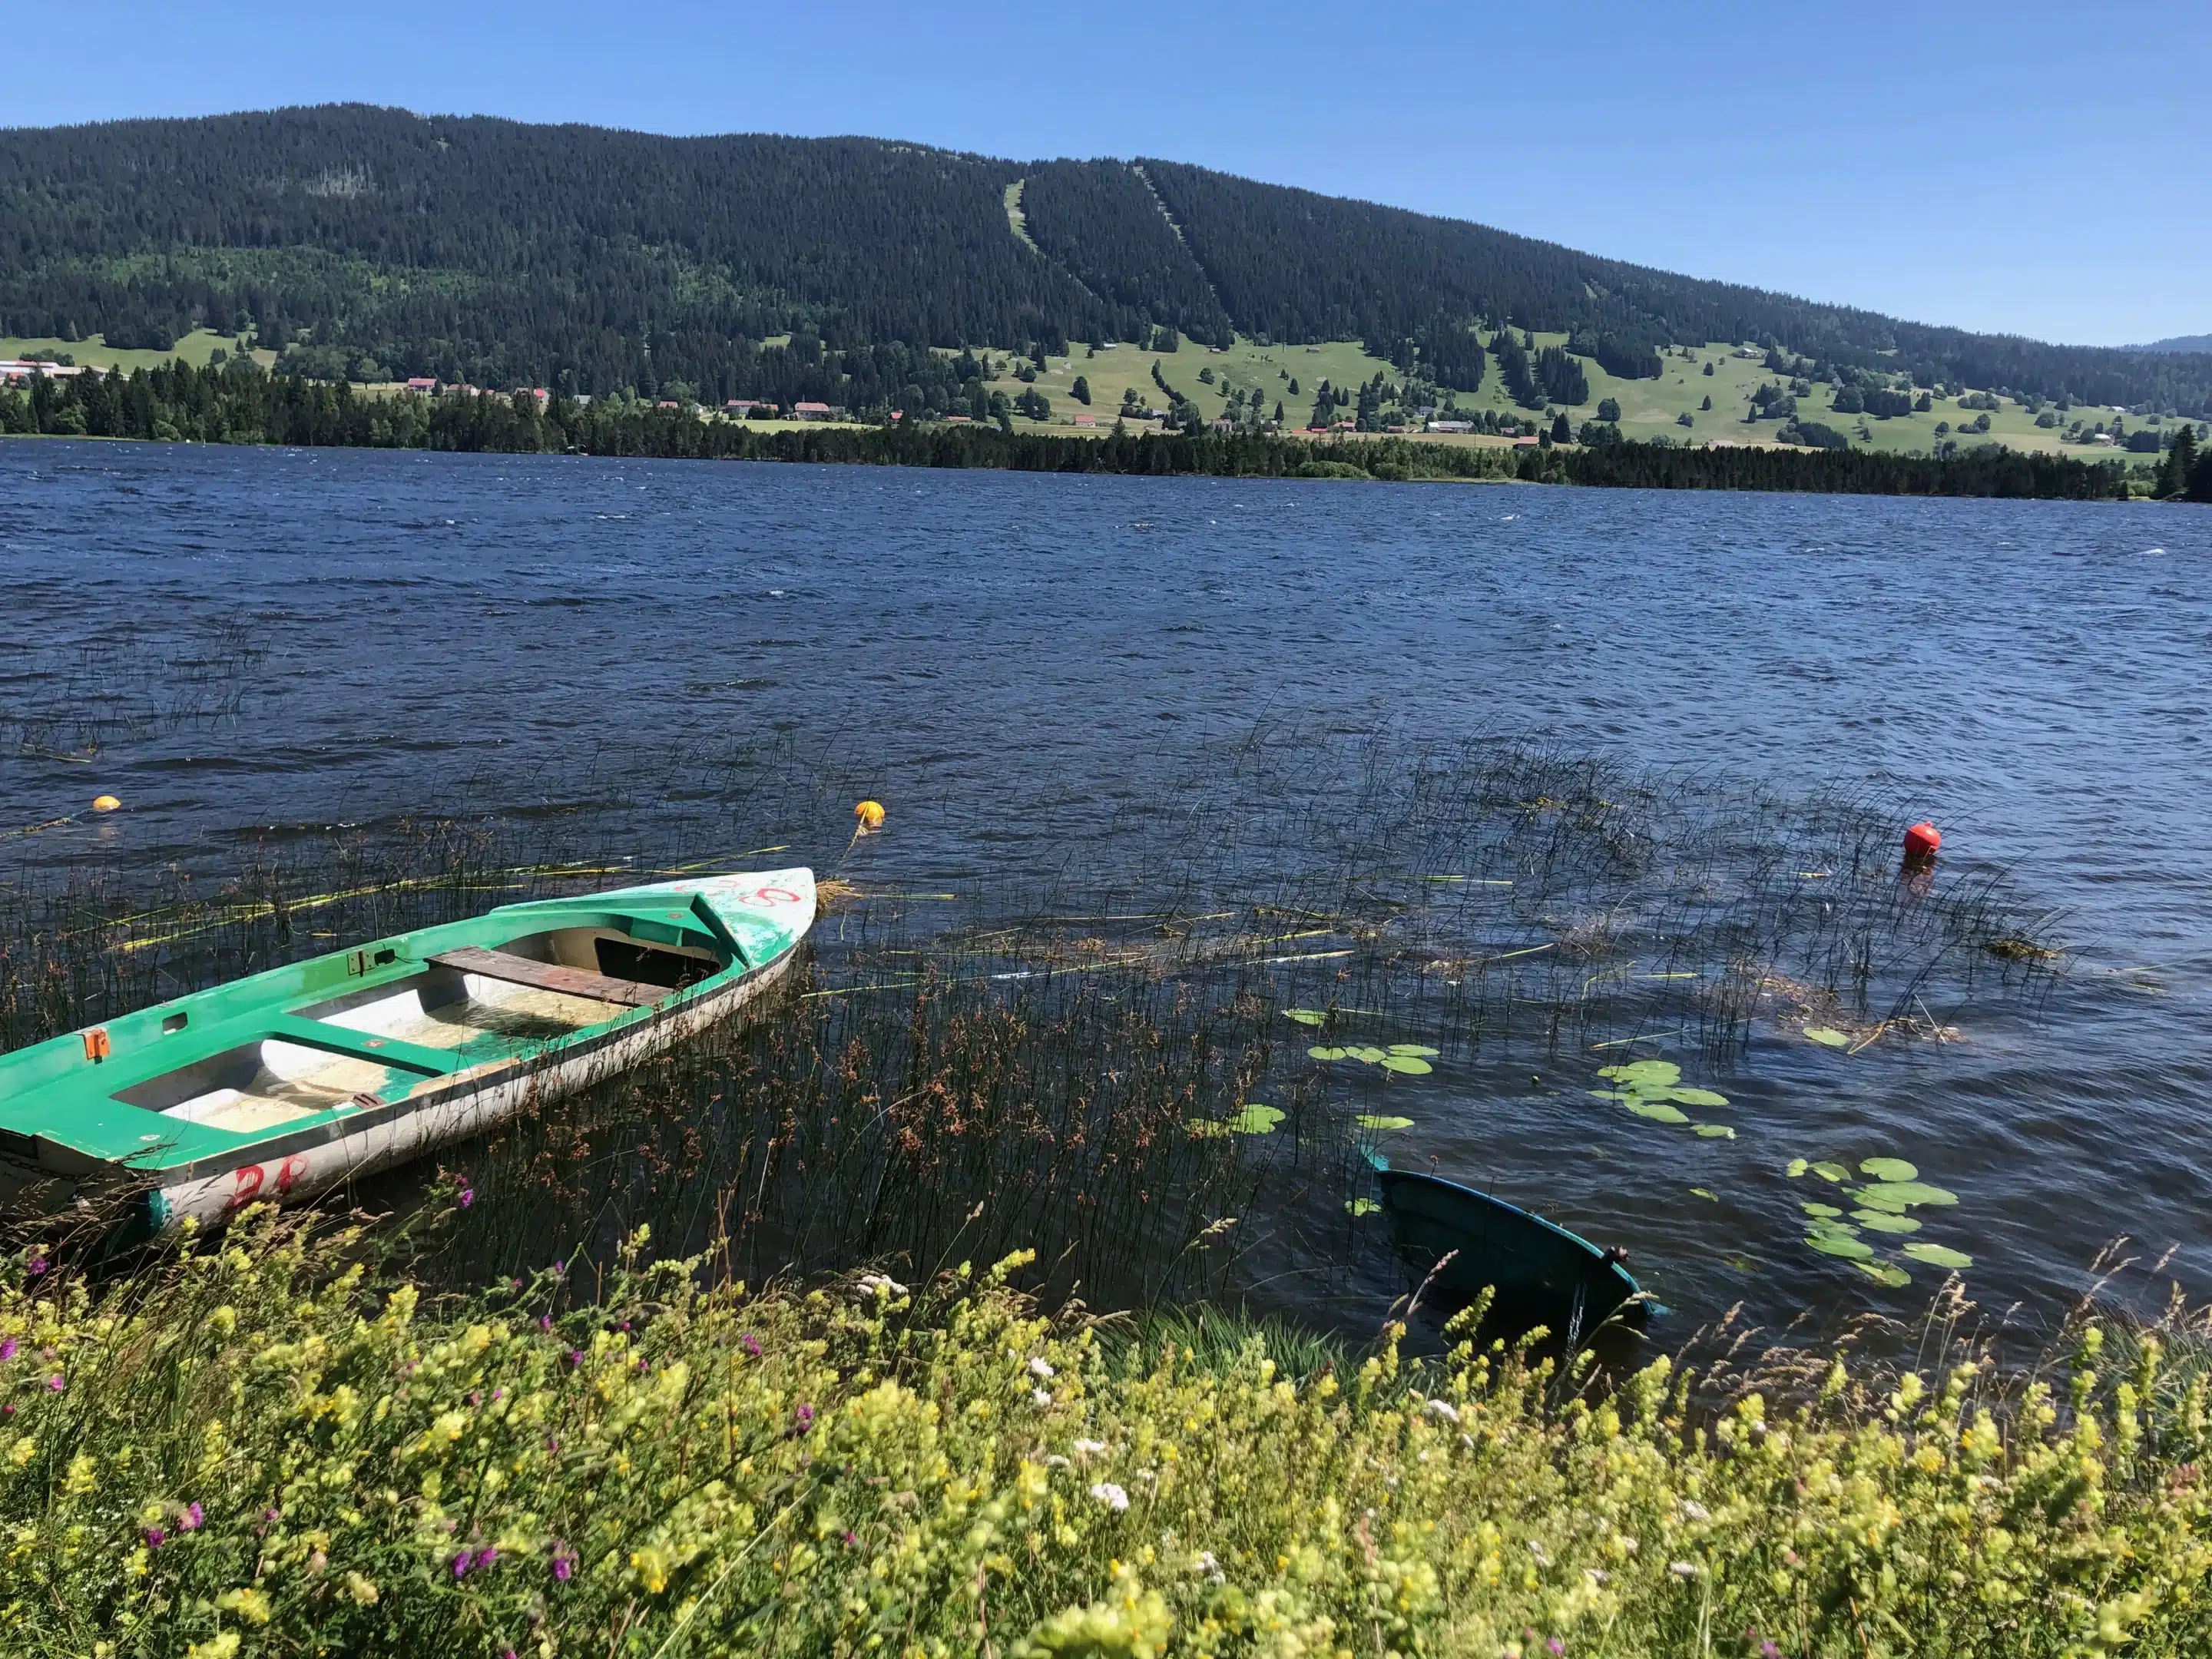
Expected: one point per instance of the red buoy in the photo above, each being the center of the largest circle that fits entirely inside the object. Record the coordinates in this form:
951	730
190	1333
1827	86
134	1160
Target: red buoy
1920	842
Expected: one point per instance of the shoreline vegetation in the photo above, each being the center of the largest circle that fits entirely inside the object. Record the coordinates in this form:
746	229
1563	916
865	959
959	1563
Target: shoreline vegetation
240	403
278	1440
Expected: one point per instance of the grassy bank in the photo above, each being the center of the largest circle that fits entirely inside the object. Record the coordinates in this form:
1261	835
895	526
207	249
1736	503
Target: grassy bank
267	1445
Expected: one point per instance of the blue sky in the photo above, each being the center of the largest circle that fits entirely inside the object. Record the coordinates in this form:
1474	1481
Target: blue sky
2029	167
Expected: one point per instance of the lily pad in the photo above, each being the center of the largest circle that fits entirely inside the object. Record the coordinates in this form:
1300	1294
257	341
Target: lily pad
1840	1244
1659	1111
1644	1073
1372	1056
1797	1167
1406	1065
1697	1097
1716	1132
1256	1120
1618	1097
1889	1169
1361	1205
1938	1255
1417	1051
1828	1036
1899	1196
1328	1053
1700	1192
1886	1273
1827	1212
1367	1121
1306	1015
1882	1221
1830	1172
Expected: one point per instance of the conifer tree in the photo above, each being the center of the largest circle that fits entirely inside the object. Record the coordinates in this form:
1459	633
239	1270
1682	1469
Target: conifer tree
2176	471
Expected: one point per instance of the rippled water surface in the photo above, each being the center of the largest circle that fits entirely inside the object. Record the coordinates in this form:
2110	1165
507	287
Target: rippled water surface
1021	665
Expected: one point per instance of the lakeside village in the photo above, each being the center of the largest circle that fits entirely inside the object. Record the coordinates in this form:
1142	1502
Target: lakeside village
1759	397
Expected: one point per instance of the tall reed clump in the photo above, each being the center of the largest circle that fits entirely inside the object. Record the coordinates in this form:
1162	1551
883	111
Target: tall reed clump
275	1444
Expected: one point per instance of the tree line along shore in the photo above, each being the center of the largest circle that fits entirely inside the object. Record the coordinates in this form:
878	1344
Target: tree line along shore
238	402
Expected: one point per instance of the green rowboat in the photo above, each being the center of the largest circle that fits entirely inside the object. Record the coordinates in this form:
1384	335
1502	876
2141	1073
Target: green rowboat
1540	1272
278	1086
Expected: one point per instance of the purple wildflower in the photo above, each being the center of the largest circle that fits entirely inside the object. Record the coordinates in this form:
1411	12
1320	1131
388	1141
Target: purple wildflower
194	1518
38	1264
58	1382
576	1356
155	1537
564	1563
8	1348
805	1417
475	1396
560	1270
1768	1650
462	1562
271	1514
1555	1647
468	1196
851	1540
748	1342
488	1556
545	1322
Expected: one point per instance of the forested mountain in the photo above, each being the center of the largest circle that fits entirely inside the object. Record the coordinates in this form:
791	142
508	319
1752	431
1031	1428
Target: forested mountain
2181	343
374	242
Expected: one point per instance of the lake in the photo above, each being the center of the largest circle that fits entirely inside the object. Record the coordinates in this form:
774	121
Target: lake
242	643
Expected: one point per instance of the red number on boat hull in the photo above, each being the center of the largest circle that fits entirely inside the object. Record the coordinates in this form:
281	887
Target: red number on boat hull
773	896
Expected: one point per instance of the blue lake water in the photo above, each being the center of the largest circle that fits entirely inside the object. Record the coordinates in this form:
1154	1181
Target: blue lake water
1019	664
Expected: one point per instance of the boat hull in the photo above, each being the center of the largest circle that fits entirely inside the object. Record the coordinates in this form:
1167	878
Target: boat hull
460	1110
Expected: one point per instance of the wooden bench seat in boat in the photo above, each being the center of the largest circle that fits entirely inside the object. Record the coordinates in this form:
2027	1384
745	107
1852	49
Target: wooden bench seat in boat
550	977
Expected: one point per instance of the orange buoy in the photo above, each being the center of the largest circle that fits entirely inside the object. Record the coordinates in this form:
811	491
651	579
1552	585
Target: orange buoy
104	802
871	815
1920	842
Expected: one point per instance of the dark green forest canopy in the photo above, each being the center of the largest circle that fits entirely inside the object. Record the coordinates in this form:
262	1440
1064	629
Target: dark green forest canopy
593	260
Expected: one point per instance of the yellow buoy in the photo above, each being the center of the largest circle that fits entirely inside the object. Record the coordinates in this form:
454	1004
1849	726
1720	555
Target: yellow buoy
871	815
105	804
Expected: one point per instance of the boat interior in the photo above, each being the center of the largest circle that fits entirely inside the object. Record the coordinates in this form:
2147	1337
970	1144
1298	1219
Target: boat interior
463	1007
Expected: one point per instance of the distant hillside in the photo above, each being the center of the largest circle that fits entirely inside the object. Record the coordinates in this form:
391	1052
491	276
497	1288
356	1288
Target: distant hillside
2180	343
376	242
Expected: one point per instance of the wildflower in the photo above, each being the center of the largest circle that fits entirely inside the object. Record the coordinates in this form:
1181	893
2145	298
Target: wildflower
575	1356
1683	1569
468	1196
1555	1647
750	1344
852	1540
362	1590
462	1562
156	1537
57	1382
650	1564
545	1322
1695	1510
1040	1397
8	1348
1444	1409
215	1647
1768	1650
317	1564
560	1270
878	1284
1090	1447
1042	1367
251	1605
1057	1462
1113	1497
804	1418
38	1264
564	1563
193	1519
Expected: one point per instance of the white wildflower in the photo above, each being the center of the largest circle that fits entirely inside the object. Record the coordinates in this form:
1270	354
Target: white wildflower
1042	1367
878	1284
1145	1475
1090	1447
1684	1568
1536	1549
1596	1575
1111	1496
1040	1397
1057	1462
1695	1510
1443	1409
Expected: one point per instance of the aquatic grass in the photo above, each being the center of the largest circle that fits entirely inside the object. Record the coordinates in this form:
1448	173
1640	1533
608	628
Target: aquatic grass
265	1444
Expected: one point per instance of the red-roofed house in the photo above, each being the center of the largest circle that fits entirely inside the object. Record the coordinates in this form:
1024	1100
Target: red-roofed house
426	383
810	412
